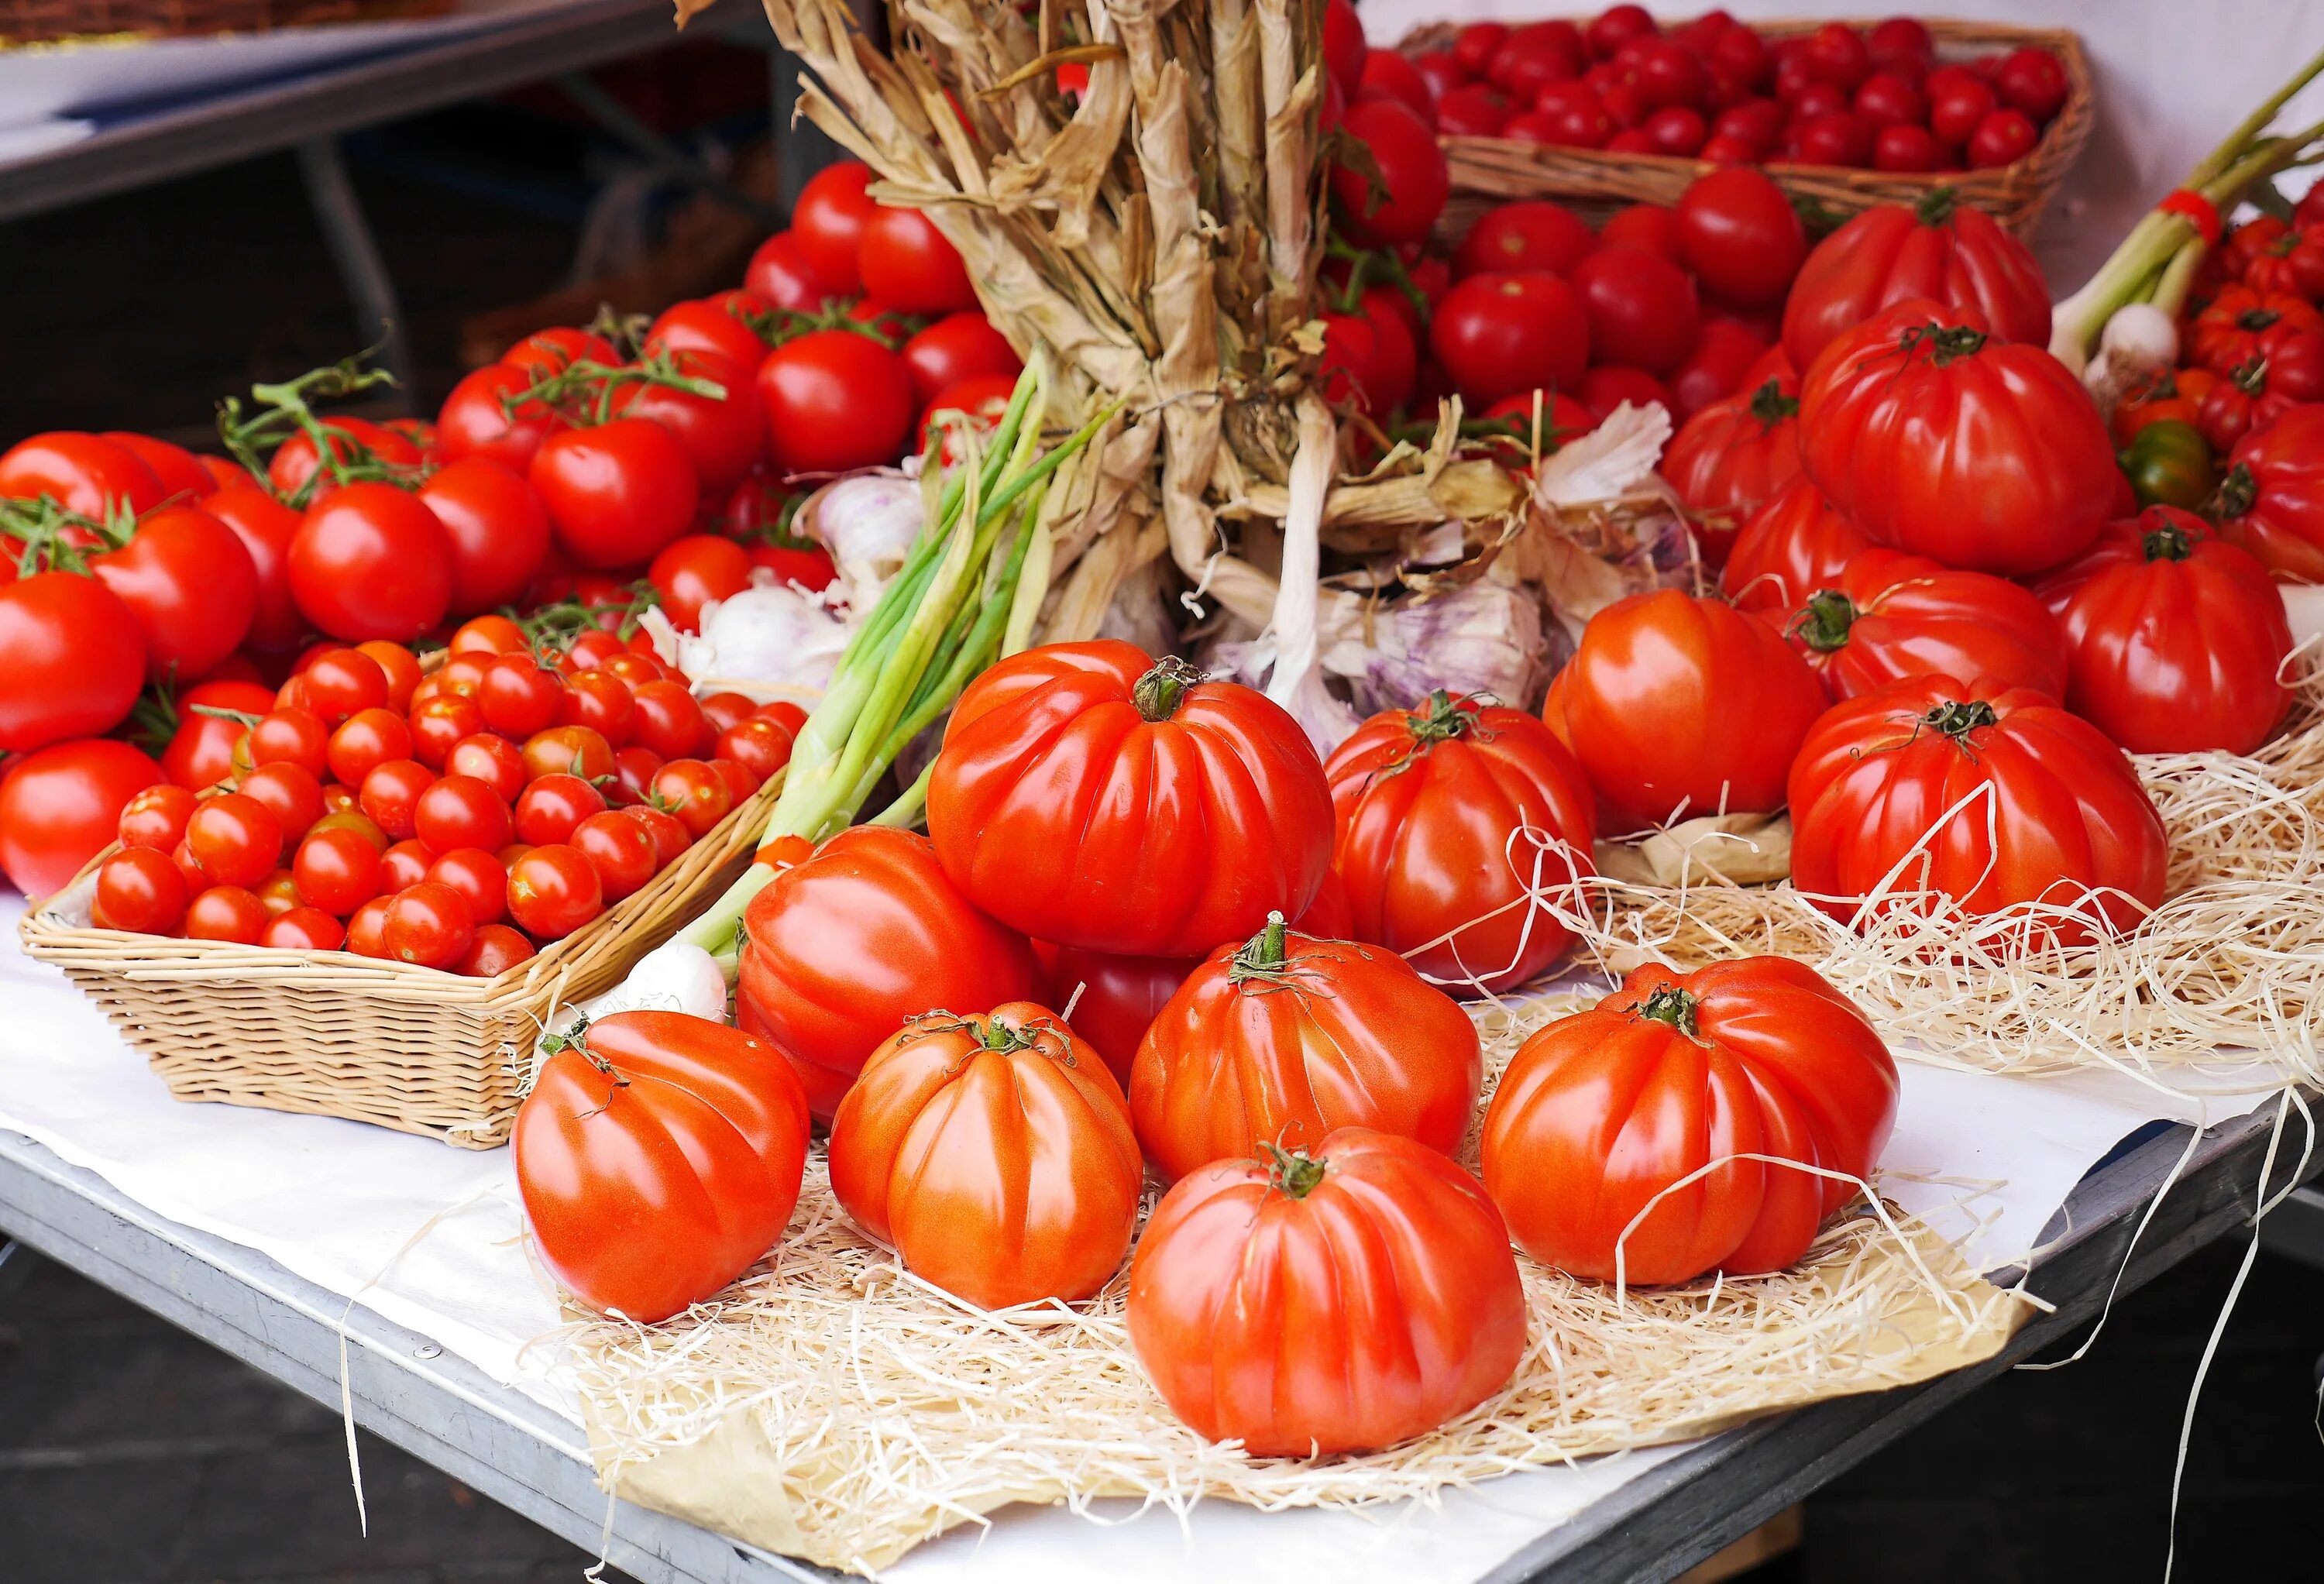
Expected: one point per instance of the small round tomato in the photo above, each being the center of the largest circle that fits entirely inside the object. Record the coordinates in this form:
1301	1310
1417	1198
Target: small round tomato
427	923
908	264
367	738
553	891
226	913
670	838
235	838
1524	237
390	794
634	769
349	818
371	560
441	724
1496	335
461	811
518	696
1411	168
721	434
338	870
303	929
494	761
599	702
620	848
277	893
85	473
827	223
956	349
833	400
213	719
695	792
667	719
403	864
569	751
340	681
2002	138
707	325
481	878
762	745
139	889
289	792
636	669
721	710
497	527
553	351
490	633
1740	236
367	928
691	572
741	782
617	491
156	817
548	809
779	275
475	424
495	950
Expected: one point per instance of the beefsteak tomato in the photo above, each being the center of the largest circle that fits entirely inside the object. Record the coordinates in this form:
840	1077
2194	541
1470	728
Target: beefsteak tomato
2271	500
1090	795
994	1153
1601	1112
1114	998
1941	250
1887	616
61	806
1791	547
659	1156
1338	1300
1731	459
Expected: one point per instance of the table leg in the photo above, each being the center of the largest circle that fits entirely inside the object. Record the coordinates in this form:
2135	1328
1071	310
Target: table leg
17	1264
378	315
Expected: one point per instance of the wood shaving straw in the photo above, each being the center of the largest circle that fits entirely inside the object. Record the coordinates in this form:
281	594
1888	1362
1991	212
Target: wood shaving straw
865	1412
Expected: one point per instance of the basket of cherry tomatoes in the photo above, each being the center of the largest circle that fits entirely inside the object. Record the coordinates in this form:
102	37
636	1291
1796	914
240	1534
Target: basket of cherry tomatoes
1624	108
411	863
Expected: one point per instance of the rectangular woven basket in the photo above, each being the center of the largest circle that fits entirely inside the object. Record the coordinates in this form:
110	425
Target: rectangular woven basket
1490	171
32	22
334	1035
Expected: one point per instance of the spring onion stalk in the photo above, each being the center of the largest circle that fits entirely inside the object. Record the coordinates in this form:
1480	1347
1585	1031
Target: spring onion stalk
2156	262
967	595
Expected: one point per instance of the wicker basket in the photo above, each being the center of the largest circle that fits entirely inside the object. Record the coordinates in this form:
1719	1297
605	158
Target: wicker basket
33	21
335	1034
1488	170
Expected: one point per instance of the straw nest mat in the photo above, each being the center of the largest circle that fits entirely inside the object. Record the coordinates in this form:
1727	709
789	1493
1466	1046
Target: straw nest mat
830	1406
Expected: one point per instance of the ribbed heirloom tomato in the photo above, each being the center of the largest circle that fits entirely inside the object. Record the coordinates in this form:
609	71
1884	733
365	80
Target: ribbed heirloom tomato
1447	819
1887	616
1284	1038
1933	435
1337	1300
2175	638
839	950
659	1156
1990	796
1942	249
1600	1112
1733	456
1679	707
1090	795
994	1152
1114	998
2271	500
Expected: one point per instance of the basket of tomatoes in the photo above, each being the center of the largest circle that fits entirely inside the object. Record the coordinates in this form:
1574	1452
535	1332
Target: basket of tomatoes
1622	108
411	866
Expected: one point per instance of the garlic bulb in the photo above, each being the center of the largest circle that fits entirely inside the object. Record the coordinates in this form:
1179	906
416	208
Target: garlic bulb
868	521
771	640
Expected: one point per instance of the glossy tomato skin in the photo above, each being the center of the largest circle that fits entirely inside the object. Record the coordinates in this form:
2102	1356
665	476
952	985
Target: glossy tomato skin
1679	707
1444	818
2271	500
994	1152
691	572
834	400
472	422
1283	1039
1114	998
1642	308
1368	1308
75	659
1740	236
139	889
60	805
1951	253
839	950
1888	616
1934	436
617	492
709	325
497	529
201	750
1600	1112
1496	335
191	585
265	526
2041	807
1086	796
2175	637
1525	236
957	347
1412	168
910	265
722	435
370	561
83	472
827	224
1791	547
655	1180
1731	457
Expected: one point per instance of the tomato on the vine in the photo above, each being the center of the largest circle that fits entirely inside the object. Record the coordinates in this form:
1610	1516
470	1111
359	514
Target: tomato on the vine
958	347
211	726
707	325
85	473
61	804
722	435
497	527
779	275
908	263
371	560
616	491
833	401
827	223
472	422
75	657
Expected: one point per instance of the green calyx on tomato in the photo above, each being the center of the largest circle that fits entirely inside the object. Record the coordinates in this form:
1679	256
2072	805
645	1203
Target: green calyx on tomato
2169	464
287	408
1937	207
1156	694
2168	542
1675	1006
1263	956
584	390
2235	495
1823	622
778	327
2256	319
1771	407
1363	262
1292	1172
1945	342
2250	376
1958	718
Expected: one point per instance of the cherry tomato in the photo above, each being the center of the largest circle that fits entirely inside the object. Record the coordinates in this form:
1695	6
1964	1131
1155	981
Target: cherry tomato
741	782
293	469
156	817
691	572
462	675
85	473
575	750
721	434
723	710
139	889
461	811
427	923
75	657
666	719
598	701
226	913
214	718
277	893
497	527
1740	236
616	493
707	325
1473	109
491	633
339	683
763	745
1496	335
391	793
303	929
495	950
473	423
481	878
1641	307
441	724
549	352
2002	138
553	891
779	275
620	848
693	792
2033	81
365	739
834	400
827	223
548	809
907	262
636	668
957	348
371	561
634	769
399	665
404	864
367	928
1959	103
289	792
235	838
337	869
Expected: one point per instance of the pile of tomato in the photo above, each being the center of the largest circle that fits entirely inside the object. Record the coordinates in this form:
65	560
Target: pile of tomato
1716	89
456	817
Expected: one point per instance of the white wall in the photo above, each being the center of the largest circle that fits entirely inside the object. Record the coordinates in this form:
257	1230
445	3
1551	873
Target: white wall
2174	77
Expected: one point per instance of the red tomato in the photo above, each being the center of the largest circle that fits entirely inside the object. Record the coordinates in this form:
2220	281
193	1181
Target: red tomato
721	434
472	422
762	745
994	1153
666	719
1561	418
266	529
1942	249
669	837
213	719
617	492
1473	110
1599	1113
235	838
708	326
1567	114
339	683
497	527
84	473
1525	237
695	793
834	400
226	913
293	469
550	809
908	264
779	275
658	1118
1231	1064
2271	500
620	848
155	817
496	949
1476	45
691	572
1030	812
461	811
1257	1319
289	736
2176	639
403	864
1738	233
1389	75
575	750
546	352
1603	390
1447	817
598	701
191	586
1641	308
493	759
427	923
553	891
1888	616
277	894
2002	138
370	561
139	889
399	665
840	950
1731	459
1983	798
1114	1000
518	696
302	929
2236	325
290	794
181	474
364	740
1497	334
1411	168
441	723
1681	707
827	226
959	347
634	769
365	926
391	793
336	870
1935	437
